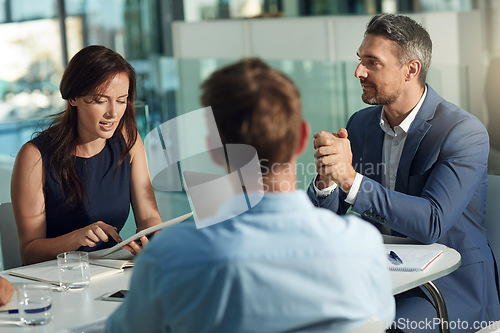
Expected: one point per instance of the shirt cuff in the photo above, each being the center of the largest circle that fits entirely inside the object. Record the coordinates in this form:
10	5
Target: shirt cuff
353	192
324	192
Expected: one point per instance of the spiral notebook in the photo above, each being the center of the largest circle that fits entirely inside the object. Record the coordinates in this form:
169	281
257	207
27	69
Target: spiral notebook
408	259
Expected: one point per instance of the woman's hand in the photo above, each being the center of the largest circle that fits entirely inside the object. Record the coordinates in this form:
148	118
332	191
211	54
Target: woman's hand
96	232
136	247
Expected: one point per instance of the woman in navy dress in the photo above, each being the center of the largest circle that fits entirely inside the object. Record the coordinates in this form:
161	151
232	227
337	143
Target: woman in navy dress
73	184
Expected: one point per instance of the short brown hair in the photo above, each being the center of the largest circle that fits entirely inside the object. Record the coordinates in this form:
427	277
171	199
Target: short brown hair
256	105
413	40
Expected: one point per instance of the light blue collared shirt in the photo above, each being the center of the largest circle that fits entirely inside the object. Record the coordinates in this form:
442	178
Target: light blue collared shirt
283	265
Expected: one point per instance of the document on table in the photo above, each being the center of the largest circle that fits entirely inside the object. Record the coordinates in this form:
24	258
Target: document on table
119	259
409	258
48	272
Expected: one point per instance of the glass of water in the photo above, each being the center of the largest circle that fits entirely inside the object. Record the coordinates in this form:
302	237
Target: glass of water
74	271
35	303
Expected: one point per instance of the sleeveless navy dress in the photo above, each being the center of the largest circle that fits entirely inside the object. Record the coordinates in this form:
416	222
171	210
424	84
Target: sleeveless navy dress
106	197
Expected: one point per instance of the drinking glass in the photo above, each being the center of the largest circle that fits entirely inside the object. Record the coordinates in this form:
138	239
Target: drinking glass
74	271
35	303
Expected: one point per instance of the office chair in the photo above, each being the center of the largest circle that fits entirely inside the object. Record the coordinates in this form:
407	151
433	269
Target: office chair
493	215
493	227
8	234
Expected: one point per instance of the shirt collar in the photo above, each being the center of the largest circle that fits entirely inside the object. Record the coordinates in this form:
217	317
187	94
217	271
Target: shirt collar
263	202
274	201
406	123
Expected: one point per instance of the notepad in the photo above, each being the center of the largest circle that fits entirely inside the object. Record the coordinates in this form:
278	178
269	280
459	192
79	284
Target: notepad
47	271
119	259
414	259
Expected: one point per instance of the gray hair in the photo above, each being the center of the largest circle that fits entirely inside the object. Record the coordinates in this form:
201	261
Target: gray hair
413	40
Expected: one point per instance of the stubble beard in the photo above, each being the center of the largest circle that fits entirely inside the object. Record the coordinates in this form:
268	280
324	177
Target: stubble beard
378	99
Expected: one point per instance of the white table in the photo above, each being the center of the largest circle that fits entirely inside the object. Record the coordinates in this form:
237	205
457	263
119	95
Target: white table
74	308
446	263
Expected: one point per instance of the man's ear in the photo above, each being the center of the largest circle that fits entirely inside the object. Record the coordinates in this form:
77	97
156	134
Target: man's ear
72	101
305	132
414	67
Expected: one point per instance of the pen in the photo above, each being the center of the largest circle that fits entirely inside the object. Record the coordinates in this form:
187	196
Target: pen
10	311
394	258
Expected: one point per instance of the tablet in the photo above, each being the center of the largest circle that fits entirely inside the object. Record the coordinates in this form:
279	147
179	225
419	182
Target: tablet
104	252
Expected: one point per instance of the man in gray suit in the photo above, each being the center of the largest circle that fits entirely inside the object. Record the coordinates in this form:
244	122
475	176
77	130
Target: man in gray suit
414	165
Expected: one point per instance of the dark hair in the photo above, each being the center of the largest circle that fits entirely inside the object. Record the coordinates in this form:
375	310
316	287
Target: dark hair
413	40
256	105
88	73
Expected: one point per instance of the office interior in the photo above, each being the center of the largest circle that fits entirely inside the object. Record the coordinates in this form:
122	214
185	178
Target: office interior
175	44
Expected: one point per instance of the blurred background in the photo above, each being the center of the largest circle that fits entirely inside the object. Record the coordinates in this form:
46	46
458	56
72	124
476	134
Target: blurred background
173	45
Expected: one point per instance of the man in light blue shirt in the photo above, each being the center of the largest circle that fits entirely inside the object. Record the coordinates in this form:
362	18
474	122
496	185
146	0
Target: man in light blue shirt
284	265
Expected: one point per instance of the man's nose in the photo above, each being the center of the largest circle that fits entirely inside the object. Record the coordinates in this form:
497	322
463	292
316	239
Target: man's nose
360	72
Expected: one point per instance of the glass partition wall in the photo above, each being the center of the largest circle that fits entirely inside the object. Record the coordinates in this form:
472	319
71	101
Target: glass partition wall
329	91
38	44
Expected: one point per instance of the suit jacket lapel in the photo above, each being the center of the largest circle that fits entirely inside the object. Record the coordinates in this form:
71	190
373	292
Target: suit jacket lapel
415	136
416	133
372	149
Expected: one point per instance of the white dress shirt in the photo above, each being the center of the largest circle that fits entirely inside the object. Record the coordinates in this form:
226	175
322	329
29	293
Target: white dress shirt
394	141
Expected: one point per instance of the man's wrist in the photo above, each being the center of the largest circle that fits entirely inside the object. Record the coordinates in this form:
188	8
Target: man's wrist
320	183
321	193
347	183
